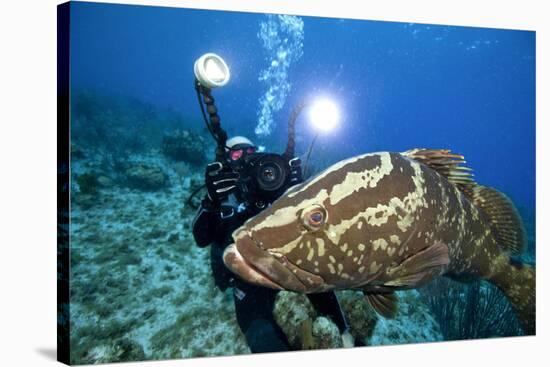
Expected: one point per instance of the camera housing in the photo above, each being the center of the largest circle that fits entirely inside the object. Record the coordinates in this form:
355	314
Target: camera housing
264	177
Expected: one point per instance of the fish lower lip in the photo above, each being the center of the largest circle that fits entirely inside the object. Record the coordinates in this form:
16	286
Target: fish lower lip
246	270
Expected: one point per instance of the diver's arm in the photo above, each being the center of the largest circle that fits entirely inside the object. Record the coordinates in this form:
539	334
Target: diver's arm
206	220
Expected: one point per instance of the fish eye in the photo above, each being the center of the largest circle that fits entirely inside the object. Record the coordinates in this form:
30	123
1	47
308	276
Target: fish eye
314	217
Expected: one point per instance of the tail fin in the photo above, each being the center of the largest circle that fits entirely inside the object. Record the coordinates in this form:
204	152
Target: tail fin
515	279
517	282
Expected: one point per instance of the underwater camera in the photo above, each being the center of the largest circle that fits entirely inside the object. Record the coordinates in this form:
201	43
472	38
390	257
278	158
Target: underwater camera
270	171
264	176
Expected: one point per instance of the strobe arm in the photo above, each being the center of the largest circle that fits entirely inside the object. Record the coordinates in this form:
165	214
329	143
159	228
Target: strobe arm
213	121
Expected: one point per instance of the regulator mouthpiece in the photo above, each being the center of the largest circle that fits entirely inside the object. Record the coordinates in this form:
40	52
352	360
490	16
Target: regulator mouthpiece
211	71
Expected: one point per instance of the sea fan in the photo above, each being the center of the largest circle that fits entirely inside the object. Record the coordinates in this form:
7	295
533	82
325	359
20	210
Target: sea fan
470	311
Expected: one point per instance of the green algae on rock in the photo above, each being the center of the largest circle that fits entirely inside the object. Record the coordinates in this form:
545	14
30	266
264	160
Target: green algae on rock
146	177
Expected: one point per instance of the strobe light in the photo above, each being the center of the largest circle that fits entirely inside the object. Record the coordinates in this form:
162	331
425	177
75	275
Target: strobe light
211	71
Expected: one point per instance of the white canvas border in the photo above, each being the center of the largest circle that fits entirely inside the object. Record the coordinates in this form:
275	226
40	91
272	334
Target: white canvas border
28	151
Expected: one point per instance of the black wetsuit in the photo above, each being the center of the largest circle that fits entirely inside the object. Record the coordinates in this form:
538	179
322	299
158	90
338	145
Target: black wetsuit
213	226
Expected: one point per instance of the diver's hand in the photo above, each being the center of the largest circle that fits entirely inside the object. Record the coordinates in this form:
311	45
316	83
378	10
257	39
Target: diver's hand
295	171
347	339
220	181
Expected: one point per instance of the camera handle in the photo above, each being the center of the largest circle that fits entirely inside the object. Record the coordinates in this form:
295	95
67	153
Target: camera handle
213	122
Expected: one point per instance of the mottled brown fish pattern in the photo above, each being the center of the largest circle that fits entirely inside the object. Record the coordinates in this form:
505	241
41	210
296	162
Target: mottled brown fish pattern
382	222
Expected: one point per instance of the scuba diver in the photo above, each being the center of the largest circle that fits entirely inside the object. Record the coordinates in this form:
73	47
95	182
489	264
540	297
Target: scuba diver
225	207
240	183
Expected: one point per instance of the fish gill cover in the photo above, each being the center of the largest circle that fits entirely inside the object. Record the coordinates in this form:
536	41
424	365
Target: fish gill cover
282	39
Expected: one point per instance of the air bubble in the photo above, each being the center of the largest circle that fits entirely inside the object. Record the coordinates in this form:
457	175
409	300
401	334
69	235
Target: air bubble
282	37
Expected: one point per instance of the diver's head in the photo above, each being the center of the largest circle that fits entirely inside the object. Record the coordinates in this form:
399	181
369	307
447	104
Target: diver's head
237	148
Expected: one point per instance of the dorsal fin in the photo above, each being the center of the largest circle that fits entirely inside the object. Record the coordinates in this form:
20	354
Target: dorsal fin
445	163
505	220
503	216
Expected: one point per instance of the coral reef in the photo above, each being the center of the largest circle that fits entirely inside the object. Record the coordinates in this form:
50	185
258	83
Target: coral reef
88	183
184	145
413	323
123	350
118	124
105	181
146	177
138	282
361	317
86	188
63	258
326	334
291	310
302	325
193	184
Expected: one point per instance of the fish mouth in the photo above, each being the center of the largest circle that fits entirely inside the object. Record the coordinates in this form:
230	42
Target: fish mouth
258	266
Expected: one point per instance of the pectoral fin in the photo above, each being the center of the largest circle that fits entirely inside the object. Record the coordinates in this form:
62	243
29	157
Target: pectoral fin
384	304
420	268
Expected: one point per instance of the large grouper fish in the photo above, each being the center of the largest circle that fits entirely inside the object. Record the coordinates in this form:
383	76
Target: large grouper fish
383	222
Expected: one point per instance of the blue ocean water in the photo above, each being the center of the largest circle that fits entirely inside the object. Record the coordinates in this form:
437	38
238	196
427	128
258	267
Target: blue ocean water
398	85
